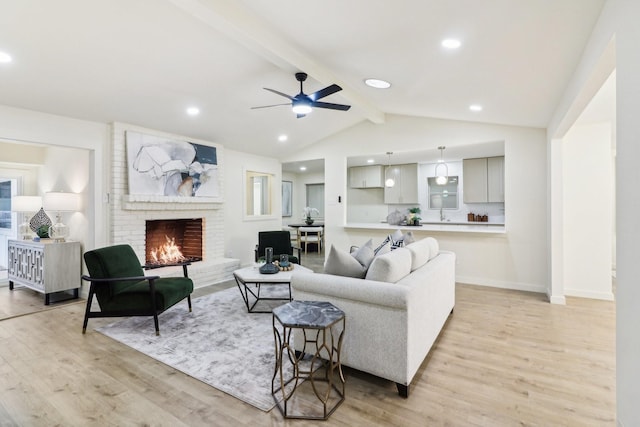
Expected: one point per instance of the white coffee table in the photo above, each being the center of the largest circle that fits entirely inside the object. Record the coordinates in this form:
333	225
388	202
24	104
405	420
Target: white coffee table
250	280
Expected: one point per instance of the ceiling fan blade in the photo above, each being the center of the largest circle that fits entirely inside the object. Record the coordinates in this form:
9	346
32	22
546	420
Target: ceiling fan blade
279	93
330	106
267	106
325	92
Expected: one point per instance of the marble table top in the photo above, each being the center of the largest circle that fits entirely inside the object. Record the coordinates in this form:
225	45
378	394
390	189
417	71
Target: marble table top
308	314
252	274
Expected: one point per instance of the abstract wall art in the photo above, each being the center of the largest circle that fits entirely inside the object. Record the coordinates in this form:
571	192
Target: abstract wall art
169	167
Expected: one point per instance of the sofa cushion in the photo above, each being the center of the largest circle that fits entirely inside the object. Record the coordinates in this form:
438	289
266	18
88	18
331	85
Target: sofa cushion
341	263
420	253
434	247
391	266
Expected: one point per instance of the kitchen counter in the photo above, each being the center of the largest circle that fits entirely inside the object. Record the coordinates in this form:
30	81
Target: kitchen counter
445	226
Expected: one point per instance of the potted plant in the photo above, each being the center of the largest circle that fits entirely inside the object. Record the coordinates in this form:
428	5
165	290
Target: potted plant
414	217
307	212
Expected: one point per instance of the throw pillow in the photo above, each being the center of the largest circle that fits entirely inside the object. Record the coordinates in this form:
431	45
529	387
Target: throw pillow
383	247
340	263
396	239
364	254
408	238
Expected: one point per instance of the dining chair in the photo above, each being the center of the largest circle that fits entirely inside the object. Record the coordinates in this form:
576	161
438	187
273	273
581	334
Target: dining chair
310	235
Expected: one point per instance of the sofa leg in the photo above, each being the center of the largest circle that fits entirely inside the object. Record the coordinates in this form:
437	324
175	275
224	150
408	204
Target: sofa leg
403	390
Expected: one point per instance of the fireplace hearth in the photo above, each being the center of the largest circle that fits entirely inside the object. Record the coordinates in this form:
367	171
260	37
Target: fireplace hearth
169	241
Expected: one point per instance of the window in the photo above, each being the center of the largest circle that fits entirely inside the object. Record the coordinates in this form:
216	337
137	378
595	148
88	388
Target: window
5	204
258	194
315	198
443	196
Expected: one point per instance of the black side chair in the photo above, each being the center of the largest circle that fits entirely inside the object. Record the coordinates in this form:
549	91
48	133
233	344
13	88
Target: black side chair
118	281
280	241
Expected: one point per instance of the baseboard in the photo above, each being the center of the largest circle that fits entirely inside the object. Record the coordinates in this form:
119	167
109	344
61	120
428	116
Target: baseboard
605	296
541	289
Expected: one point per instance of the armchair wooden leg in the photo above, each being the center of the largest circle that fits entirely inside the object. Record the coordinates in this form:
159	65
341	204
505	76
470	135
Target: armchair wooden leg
189	301
155	321
87	309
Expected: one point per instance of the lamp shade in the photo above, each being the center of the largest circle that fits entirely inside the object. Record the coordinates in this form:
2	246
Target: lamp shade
61	202
26	203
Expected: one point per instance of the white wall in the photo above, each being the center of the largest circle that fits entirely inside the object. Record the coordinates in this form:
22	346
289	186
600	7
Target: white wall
241	235
58	173
588	211
617	27
516	259
31	127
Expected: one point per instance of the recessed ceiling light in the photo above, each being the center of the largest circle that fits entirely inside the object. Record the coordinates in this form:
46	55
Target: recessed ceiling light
283	138
370	160
303	168
475	107
5	57
377	83
193	111
451	43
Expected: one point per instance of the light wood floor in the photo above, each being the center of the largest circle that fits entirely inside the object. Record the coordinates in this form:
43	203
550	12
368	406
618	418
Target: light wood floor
505	358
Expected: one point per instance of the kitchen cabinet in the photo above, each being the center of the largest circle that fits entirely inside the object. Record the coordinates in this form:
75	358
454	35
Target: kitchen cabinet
495	179
483	180
366	176
45	267
405	190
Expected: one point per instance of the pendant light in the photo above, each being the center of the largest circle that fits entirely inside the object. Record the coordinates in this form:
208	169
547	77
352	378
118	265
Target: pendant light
388	182
442	178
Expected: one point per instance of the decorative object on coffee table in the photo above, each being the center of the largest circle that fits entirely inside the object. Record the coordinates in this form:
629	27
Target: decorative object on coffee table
319	323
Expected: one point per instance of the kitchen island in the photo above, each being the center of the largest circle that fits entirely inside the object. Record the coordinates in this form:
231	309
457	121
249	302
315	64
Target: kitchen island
444	226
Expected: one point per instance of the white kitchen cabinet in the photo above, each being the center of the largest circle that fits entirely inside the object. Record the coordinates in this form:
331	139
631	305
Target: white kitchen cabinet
495	179
366	176
483	180
405	190
45	266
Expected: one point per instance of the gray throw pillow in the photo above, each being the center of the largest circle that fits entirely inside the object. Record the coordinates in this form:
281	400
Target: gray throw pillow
364	254
341	263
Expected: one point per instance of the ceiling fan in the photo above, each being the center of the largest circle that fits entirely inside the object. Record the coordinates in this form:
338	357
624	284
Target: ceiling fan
302	104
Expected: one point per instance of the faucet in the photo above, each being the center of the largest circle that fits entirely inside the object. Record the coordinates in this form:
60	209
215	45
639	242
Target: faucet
441	214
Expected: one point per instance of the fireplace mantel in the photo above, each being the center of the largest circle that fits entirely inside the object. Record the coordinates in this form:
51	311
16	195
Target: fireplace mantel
144	202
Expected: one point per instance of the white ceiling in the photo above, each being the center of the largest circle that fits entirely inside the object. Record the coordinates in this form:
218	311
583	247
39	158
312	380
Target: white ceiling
145	61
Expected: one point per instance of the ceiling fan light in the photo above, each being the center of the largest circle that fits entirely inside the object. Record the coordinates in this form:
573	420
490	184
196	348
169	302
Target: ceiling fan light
301	109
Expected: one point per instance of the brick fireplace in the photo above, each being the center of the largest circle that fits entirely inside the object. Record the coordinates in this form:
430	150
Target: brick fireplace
172	240
130	215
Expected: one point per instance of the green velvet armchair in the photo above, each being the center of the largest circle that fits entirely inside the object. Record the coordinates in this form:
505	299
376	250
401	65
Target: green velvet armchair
122	289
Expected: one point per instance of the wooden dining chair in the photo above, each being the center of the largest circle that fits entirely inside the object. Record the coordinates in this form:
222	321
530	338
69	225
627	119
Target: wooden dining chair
310	235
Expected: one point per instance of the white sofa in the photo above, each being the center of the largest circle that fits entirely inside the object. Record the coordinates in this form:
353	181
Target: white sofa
394	314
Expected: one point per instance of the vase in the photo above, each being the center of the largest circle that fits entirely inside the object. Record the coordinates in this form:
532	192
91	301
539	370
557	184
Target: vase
308	221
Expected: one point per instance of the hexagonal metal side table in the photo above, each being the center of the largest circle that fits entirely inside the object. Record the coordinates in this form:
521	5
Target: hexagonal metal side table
316	368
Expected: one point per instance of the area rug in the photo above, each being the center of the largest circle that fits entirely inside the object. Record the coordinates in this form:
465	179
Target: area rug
219	343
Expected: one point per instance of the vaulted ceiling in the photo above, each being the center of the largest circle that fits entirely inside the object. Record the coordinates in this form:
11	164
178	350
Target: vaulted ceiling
146	61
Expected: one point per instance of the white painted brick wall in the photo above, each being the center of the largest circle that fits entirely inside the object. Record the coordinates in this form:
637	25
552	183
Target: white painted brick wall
129	213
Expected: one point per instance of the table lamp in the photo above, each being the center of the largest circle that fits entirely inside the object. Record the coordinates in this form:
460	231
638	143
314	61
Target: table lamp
59	202
26	205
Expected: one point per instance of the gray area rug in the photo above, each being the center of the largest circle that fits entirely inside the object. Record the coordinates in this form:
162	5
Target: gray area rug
219	343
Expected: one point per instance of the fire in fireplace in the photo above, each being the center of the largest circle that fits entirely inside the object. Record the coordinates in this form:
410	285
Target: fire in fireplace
169	241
